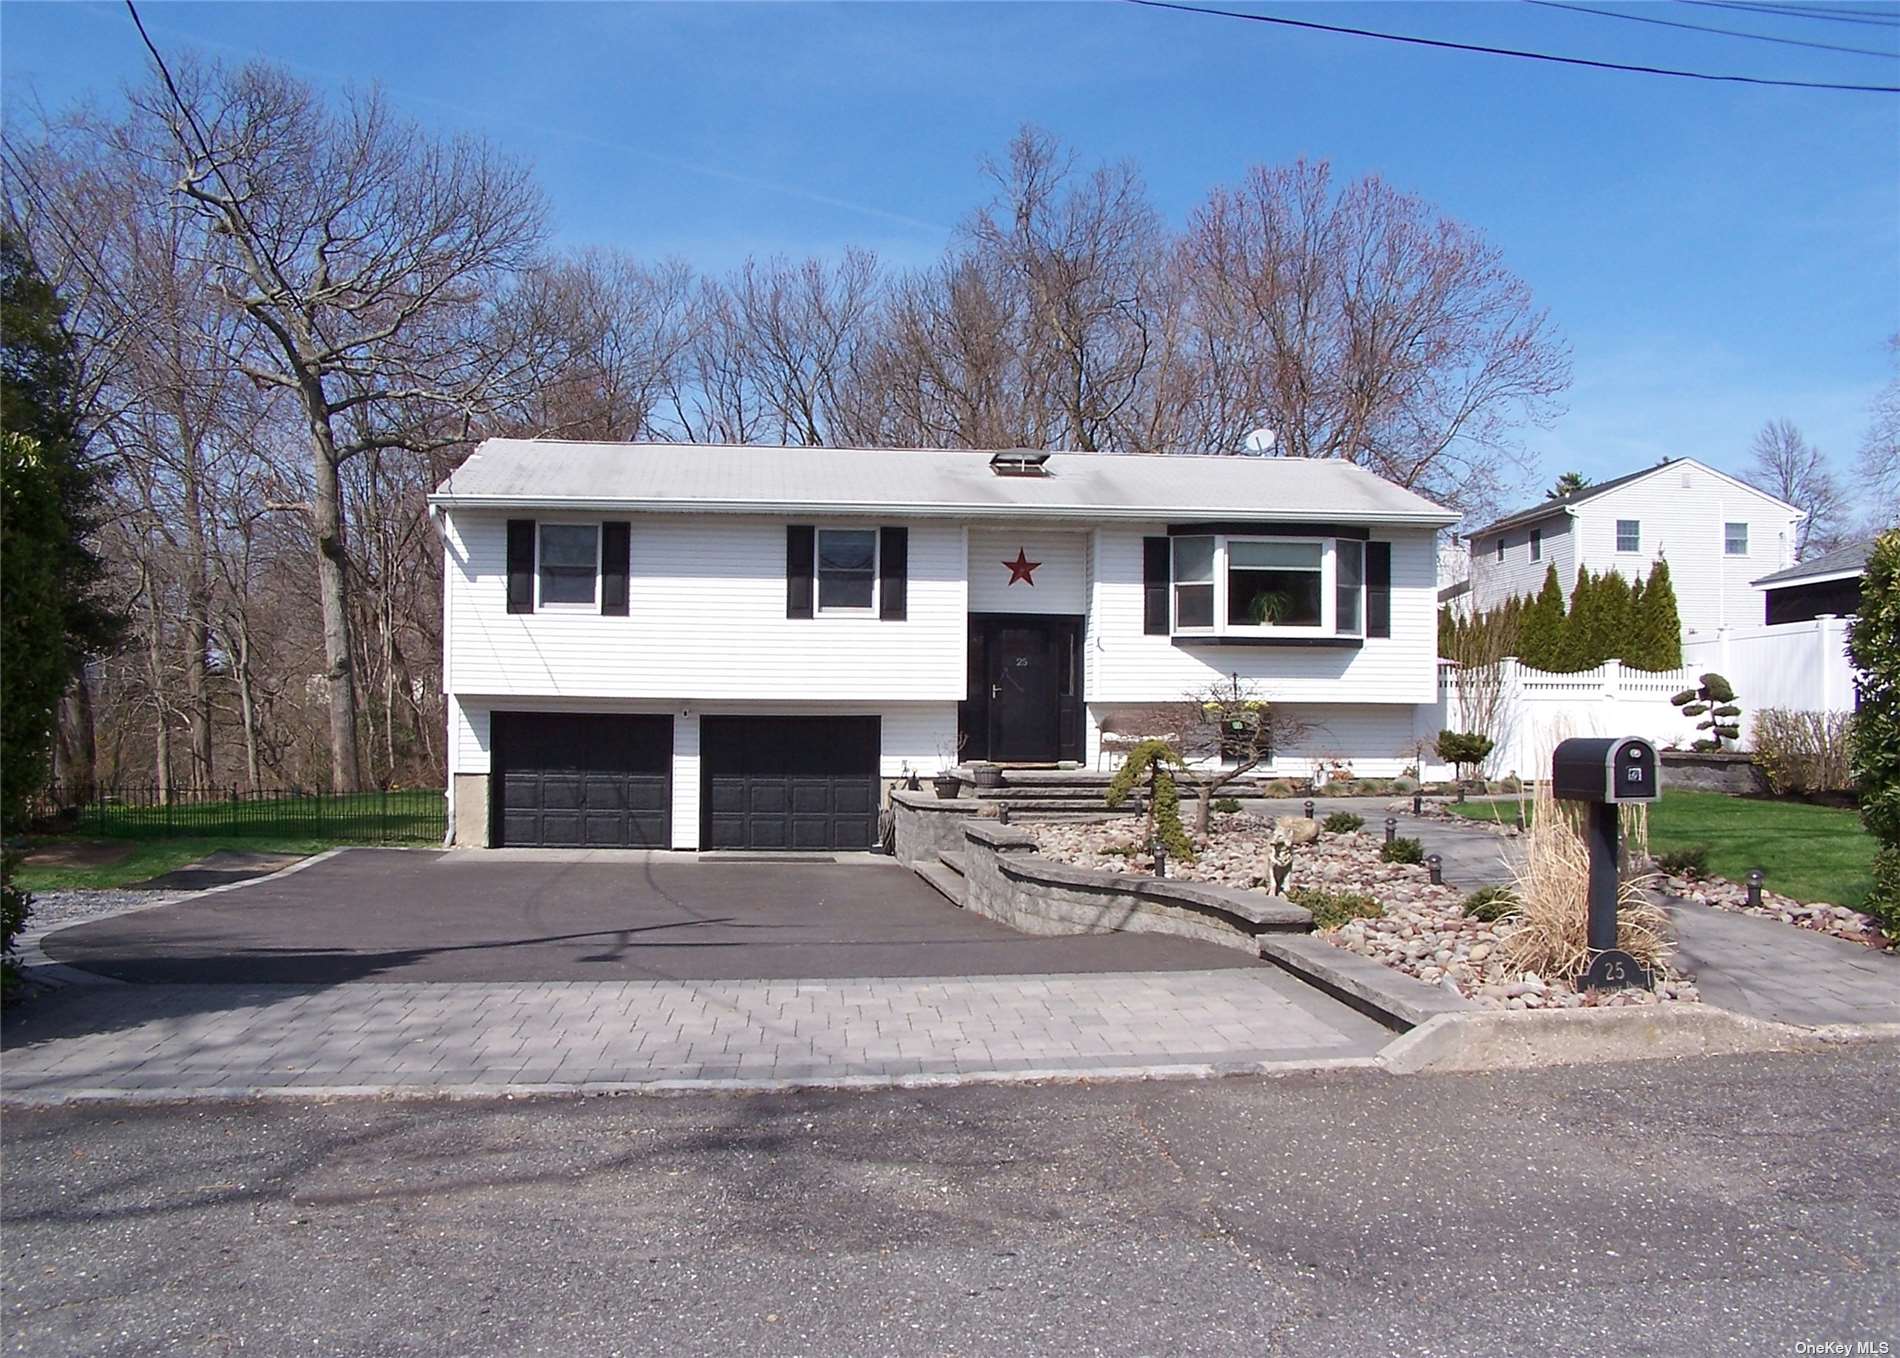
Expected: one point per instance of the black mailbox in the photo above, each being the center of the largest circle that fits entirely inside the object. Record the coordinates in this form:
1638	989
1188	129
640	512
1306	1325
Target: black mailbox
1605	769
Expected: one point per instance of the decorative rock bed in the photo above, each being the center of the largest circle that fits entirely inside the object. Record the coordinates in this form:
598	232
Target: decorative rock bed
1423	933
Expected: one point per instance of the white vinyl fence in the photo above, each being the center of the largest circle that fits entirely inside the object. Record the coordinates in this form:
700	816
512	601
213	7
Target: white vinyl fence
1801	666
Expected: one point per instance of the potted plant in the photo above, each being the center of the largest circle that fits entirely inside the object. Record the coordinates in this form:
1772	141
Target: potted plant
948	786
986	774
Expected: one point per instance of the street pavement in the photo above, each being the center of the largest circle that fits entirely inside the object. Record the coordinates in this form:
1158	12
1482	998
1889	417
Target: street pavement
1719	1206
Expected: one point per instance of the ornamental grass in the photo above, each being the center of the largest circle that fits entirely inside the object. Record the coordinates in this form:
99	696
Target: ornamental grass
1553	892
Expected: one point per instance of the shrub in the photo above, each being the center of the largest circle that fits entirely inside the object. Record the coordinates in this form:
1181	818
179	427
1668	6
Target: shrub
1804	751
1874	645
1281	787
1154	761
1690	861
1552	933
15	905
1714	701
1330	909
1490	903
1403	850
1466	749
1227	804
1342	823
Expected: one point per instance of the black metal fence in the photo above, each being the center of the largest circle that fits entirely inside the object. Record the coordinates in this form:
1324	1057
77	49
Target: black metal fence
386	816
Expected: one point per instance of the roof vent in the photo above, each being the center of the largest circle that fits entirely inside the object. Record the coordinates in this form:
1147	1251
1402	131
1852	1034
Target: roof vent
1020	462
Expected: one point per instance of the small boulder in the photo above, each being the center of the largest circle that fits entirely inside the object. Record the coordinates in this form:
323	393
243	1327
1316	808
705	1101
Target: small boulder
1298	829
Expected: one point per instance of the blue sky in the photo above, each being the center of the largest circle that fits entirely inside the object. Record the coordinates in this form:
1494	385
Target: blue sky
1715	255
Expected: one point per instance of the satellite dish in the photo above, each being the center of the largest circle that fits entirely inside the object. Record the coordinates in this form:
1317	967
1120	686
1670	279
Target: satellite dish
1260	441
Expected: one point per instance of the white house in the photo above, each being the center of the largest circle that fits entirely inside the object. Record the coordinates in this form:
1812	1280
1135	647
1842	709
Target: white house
739	647
1718	534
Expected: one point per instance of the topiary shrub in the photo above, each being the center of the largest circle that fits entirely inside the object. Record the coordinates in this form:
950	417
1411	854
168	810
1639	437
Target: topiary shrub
1228	804
1713	701
1342	823
1331	909
1466	749
1692	861
1490	903
1402	850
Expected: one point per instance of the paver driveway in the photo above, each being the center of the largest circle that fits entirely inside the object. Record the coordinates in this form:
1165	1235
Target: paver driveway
541	915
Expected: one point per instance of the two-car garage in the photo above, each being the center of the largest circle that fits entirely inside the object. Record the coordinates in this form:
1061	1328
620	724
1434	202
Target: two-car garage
604	780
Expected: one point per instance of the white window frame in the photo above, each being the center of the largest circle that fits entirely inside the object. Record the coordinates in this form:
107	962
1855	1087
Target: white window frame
1727	538
820	609
1637	524
1328	626
544	606
1537	544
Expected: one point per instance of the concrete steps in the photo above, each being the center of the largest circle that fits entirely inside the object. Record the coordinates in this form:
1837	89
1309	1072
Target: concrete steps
946	875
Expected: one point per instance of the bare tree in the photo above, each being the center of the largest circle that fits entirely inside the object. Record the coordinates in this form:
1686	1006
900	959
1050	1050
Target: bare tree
1360	323
362	250
1878	468
1787	466
1227	731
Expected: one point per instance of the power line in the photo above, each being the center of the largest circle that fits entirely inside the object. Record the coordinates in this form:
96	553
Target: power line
1514	52
1826	16
1725	32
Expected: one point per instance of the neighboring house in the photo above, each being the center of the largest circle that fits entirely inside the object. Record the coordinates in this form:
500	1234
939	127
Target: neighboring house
1718	534
1821	585
739	647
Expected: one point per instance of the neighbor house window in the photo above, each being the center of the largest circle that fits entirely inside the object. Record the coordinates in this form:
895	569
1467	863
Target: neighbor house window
568	564
847	568
1629	535
1274	583
1735	539
1537	544
1500	549
1193	582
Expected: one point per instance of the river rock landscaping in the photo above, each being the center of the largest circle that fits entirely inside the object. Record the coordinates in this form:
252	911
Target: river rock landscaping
1422	932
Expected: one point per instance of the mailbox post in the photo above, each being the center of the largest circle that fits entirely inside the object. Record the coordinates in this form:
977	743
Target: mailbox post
1606	773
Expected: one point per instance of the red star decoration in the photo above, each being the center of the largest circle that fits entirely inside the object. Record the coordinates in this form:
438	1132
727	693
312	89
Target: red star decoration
1021	568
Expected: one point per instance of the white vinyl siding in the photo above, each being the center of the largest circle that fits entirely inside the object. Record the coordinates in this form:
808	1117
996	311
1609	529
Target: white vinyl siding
706	620
1055	586
1492	584
1127	666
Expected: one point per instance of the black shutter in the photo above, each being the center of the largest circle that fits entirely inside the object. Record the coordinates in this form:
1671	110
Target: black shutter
1378	589
521	565
616	564
1154	586
800	541
893	572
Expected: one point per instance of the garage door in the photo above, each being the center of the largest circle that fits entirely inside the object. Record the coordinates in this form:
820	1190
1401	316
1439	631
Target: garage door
789	782
581	780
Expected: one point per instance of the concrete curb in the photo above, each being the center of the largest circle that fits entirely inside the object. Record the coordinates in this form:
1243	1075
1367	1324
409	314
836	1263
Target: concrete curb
396	1093
1525	1039
1381	993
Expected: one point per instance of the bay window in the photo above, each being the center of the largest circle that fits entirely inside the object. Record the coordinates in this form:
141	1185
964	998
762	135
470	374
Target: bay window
1264	587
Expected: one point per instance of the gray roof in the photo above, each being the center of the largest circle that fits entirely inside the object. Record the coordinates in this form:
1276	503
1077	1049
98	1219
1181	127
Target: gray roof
1557	503
719	478
1842	561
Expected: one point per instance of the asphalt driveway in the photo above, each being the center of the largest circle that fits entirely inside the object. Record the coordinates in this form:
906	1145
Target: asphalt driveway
417	915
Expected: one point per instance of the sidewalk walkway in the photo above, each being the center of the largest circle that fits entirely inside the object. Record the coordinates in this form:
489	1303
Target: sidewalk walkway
89	1040
1759	967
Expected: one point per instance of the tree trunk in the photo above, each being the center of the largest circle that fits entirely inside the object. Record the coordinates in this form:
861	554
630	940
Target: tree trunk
247	710
197	629
155	666
75	749
326	514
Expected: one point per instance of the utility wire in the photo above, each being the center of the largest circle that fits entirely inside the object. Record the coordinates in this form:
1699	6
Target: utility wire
1836	16
1513	52
1725	32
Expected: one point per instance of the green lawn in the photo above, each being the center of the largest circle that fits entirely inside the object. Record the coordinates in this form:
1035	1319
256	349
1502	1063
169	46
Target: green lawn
1812	853
150	857
157	839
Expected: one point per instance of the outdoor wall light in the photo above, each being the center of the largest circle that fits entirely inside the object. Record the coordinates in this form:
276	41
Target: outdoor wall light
1755	878
1309	808
1436	866
1391	828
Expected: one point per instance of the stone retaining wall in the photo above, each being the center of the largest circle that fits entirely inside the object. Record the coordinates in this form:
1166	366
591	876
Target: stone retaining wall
1008	881
1730	772
925	826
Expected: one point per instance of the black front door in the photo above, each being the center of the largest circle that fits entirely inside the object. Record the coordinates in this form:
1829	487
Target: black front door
1025	674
